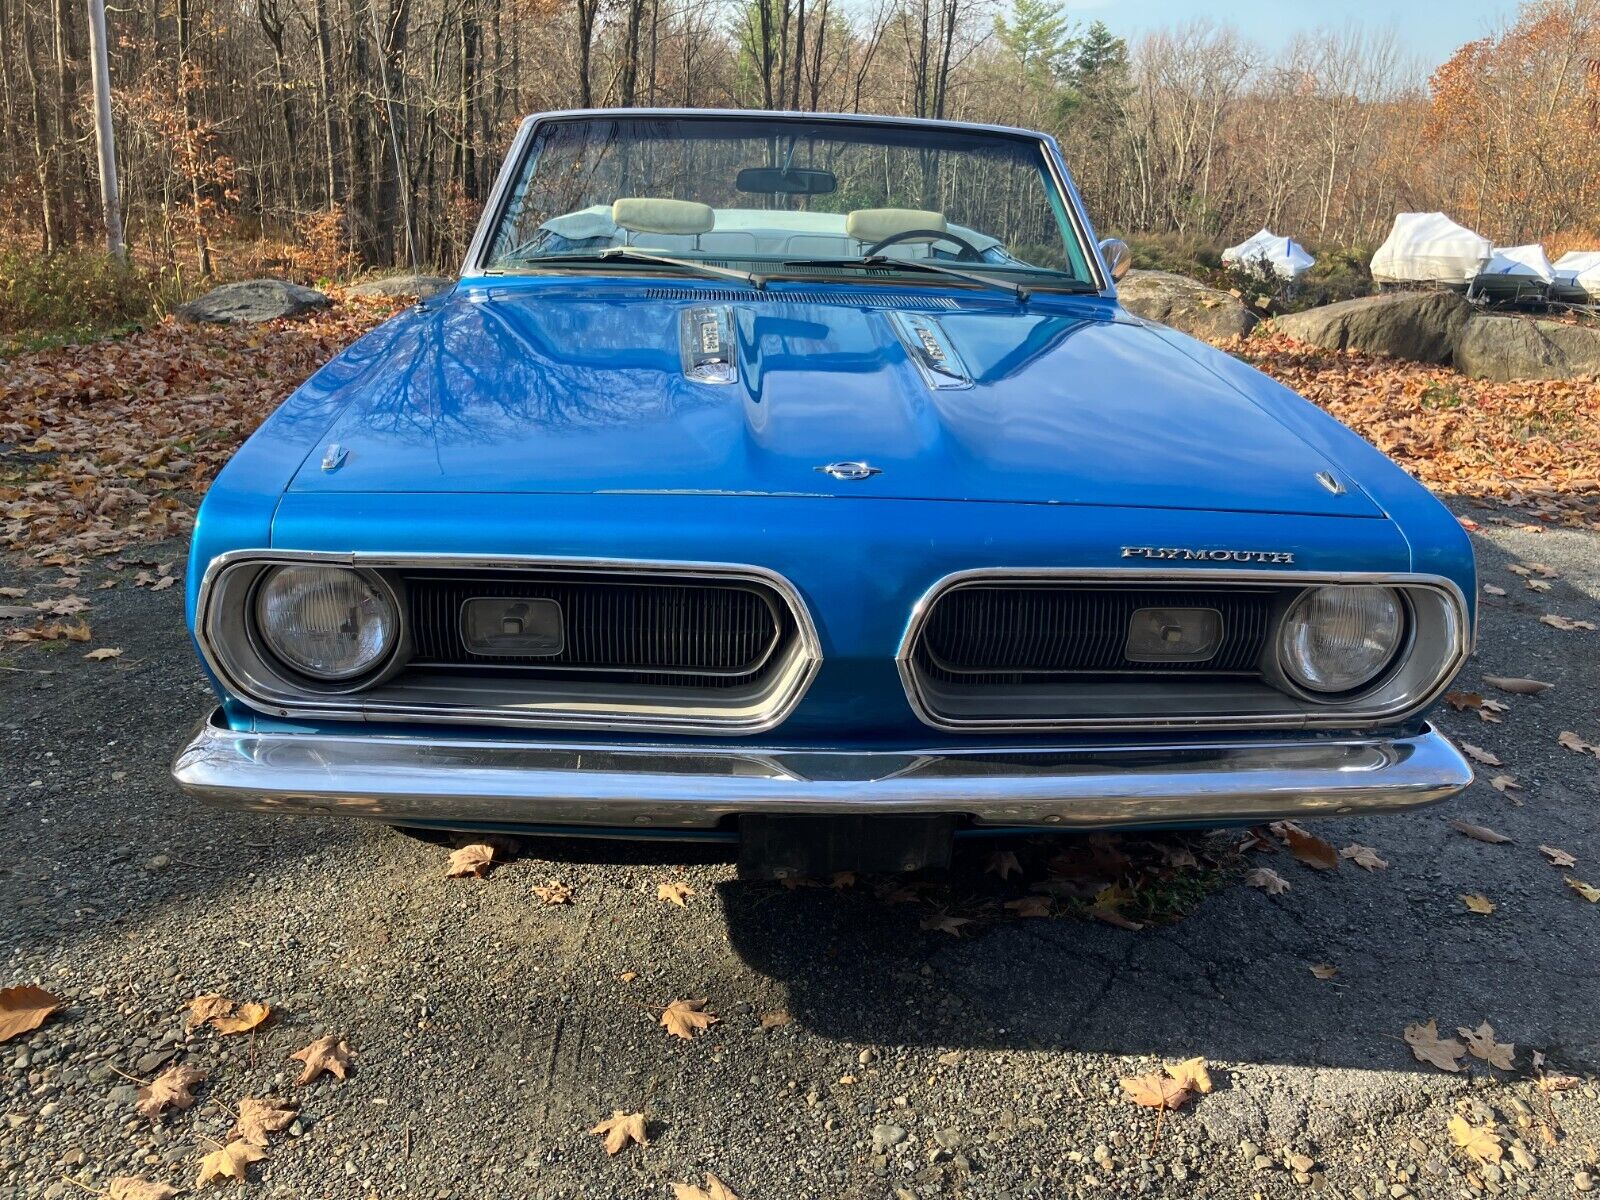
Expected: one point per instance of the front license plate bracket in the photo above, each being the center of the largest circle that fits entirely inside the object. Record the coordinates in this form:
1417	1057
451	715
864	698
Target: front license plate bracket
817	847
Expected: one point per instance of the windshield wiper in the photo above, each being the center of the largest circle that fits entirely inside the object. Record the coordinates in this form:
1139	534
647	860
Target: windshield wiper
634	254
917	264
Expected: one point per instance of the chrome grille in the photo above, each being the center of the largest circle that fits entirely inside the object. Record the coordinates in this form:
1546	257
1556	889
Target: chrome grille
698	634
1016	633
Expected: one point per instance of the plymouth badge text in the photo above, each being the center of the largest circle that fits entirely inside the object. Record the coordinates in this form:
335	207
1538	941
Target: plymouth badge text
1184	554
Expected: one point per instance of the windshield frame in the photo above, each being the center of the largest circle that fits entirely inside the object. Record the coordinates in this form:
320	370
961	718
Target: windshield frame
477	264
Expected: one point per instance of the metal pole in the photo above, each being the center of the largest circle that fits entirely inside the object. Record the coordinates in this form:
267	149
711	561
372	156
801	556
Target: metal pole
110	201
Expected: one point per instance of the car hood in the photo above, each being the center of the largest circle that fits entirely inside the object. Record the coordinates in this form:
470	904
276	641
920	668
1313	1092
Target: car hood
586	390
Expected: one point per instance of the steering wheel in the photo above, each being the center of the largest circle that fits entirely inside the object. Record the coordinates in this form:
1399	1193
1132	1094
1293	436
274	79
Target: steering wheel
969	252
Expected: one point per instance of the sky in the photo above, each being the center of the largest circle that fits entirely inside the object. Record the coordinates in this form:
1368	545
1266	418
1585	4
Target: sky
1428	30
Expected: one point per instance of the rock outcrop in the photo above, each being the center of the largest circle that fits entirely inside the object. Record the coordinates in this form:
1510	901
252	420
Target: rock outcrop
1180	302
252	300
1417	326
391	286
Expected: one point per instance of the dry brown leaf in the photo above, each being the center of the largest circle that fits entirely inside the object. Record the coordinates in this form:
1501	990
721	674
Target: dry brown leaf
1505	783
331	1054
554	892
1003	863
228	1162
1558	1083
103	653
1571	741
1517	686
774	1020
1480	1142
714	1189
243	1020
1307	847
1324	970
942	922
621	1128
23	1009
258	1118
628	976
1536	585
1429	1047
1364	857
1481	1044
1494	589
842	880
1192	1074
674	893
163	583
685	1018
1481	833
131	1187
13	593
474	860
1462	701
204	1008
170	1089
1268	881
1029	906
1155	1090
1558	857
1481	905
1479	754
1565	624
1587	891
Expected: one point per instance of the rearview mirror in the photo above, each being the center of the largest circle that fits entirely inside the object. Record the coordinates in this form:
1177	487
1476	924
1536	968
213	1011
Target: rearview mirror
788	181
1118	258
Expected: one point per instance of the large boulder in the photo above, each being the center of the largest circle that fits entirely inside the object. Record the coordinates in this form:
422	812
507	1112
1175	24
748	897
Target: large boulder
1502	348
391	287
1180	302
1419	326
252	300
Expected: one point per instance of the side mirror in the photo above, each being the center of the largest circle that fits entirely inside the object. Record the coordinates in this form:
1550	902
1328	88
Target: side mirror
1118	258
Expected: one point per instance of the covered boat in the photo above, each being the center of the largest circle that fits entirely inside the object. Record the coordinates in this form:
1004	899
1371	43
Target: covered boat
1577	278
1516	274
1430	248
1268	253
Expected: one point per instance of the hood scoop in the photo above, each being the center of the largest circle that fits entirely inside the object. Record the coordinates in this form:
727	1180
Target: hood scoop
707	347
929	346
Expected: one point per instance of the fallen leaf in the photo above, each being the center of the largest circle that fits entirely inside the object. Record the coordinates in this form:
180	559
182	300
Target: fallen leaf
163	583
204	1008
1429	1047
474	860
1517	686
1587	891
674	893
228	1162
1479	754
1307	847
1494	590
1505	783
628	976
554	892
331	1054
13	593
685	1018
131	1187
102	654
1571	741
1029	906
1192	1074
1481	905
1480	1142
1324	970
1461	701
1536	585
714	1189
1003	863
1480	833
620	1129
1155	1090
258	1118
1364	857
1558	857
1563	623
170	1089
942	922
842	880
774	1020
1268	881
23	1009
246	1018
1558	1083
1481	1044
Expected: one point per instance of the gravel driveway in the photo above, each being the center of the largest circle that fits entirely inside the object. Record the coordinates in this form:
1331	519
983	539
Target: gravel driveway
492	1031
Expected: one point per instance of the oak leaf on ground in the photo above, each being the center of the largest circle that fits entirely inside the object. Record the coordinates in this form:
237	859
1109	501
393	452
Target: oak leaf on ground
1571	741
1155	1090
1480	1142
685	1018
1267	880
331	1054
621	1128
474	859
1480	755
23	1009
1481	833
714	1189
1003	863
231	1161
131	1187
258	1118
942	922
1029	906
170	1089
1558	857
1364	857
1429	1047
1506	783
674	893
1481	905
1481	1044
1565	624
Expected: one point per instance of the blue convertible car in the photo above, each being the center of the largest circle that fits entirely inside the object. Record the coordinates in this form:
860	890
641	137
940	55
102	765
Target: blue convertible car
799	477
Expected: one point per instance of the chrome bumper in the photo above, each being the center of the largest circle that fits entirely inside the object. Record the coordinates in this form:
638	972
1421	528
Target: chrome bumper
443	780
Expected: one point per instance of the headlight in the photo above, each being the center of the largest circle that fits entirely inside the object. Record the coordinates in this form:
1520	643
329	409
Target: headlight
1335	639
326	622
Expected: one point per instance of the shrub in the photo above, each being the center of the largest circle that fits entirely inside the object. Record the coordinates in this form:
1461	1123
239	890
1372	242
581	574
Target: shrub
72	293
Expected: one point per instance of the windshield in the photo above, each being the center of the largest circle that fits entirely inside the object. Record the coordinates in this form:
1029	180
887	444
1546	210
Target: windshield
788	197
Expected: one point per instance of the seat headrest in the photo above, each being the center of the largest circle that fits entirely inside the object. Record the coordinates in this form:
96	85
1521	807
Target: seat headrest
872	225
644	214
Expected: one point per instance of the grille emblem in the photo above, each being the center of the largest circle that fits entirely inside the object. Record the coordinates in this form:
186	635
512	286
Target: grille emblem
1186	554
850	470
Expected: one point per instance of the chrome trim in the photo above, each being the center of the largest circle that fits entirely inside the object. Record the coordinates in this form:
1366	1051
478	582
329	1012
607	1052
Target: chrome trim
1347	717
443	780
931	351
317	706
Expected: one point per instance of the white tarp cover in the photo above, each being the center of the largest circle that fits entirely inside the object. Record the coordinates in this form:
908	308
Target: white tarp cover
1521	262
1284	257
1580	269
1430	248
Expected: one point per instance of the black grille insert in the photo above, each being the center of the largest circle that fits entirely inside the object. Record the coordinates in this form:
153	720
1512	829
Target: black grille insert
1017	633
679	632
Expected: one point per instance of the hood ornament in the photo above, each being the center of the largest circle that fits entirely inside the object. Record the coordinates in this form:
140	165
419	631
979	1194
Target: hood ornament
852	469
